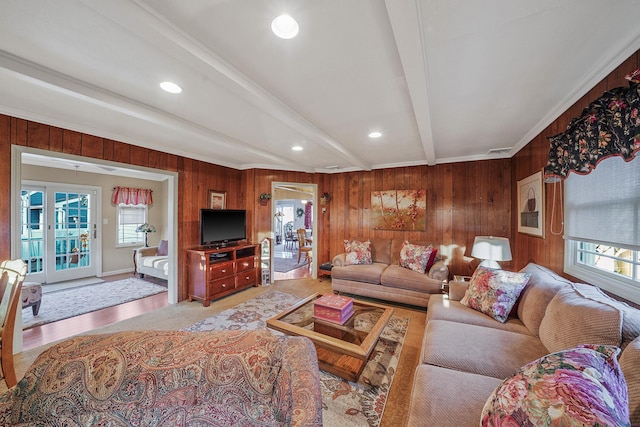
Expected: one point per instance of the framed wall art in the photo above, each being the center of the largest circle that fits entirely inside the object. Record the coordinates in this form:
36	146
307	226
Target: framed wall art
399	210
531	205
217	199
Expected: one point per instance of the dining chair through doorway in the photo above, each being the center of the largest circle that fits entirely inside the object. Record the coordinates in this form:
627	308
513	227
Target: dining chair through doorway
12	274
303	245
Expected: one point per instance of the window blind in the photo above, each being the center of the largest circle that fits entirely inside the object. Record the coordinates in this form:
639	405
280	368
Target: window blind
604	206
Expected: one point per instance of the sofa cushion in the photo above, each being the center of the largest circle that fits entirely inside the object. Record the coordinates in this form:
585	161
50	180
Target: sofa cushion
576	387
487	351
447	398
357	252
536	295
494	292
415	257
395	276
630	363
574	318
360	273
630	315
440	308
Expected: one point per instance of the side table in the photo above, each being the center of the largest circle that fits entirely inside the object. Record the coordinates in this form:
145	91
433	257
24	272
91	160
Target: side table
324	270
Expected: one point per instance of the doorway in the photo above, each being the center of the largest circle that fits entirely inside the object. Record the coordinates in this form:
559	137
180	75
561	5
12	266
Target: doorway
58	227
294	207
69	162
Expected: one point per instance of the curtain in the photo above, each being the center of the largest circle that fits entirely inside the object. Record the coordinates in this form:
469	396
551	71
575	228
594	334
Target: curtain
307	215
609	126
132	196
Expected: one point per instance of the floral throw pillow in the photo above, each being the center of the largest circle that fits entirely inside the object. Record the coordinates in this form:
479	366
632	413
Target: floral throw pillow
494	292
357	252
582	386
415	257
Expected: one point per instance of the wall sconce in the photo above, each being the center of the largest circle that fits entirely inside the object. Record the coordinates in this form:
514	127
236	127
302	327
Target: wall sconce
491	250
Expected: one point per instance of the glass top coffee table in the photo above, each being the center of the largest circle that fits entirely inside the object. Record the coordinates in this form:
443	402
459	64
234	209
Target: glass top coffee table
344	349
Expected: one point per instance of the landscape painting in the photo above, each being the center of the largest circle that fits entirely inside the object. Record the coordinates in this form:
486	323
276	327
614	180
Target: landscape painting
399	210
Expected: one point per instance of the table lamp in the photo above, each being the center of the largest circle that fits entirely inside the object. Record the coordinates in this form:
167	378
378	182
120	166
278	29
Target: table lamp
490	250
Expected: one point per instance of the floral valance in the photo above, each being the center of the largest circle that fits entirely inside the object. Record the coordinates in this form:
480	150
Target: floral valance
609	126
132	196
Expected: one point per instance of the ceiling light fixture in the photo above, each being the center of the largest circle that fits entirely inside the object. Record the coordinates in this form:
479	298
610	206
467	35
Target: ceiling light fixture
285	27
296	148
374	135
170	87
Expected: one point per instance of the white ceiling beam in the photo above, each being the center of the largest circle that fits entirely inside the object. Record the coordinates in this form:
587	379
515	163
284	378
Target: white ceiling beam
250	91
85	92
406	24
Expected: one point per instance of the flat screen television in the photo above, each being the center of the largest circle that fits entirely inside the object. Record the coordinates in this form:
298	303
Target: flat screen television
220	227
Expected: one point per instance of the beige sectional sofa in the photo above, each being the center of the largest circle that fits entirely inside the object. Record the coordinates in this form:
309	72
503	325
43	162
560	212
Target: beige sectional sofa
467	354
385	279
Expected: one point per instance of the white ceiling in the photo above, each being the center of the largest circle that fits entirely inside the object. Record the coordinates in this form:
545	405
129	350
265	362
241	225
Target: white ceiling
443	80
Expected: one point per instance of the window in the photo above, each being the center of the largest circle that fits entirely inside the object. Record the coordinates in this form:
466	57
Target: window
129	218
602	227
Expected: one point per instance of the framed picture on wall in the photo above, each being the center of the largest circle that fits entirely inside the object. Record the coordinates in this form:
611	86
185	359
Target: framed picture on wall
217	199
531	205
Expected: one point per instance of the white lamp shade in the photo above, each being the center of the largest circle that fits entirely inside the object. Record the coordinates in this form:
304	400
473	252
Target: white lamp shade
491	249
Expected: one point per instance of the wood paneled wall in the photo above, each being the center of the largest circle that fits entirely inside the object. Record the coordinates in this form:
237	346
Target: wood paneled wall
533	157
195	178
463	200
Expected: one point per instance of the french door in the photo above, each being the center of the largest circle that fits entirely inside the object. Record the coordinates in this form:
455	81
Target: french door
59	231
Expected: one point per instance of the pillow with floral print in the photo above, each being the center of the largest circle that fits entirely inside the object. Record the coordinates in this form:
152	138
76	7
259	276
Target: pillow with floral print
357	252
415	257
582	386
494	292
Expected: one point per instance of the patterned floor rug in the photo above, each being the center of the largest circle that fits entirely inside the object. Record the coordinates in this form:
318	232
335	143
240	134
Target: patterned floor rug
62	304
344	403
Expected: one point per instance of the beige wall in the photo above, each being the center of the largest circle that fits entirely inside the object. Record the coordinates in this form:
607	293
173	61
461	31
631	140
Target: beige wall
114	259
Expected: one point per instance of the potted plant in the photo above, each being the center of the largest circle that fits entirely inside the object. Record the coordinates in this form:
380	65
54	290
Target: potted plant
325	198
264	198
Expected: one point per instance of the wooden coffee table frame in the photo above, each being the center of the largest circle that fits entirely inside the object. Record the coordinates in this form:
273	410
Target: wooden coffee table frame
340	357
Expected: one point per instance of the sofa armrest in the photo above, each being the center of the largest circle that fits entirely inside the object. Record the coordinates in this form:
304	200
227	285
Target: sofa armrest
297	390
149	251
457	290
339	260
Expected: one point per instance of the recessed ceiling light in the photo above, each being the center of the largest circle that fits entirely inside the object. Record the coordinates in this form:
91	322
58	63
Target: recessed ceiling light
170	87
375	134
285	27
296	148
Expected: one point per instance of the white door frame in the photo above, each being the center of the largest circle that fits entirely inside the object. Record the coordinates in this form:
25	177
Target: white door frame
314	224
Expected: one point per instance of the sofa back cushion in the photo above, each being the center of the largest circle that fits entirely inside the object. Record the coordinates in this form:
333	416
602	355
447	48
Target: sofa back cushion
163	248
542	286
380	248
630	363
574	317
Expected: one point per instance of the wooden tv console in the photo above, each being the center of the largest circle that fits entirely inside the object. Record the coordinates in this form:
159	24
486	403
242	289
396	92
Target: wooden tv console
215	272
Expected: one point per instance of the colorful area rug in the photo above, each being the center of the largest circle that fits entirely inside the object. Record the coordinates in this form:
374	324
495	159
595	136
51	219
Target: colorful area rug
62	304
344	403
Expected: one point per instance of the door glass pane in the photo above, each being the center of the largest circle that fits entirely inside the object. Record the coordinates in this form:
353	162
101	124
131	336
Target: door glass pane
32	229
72	232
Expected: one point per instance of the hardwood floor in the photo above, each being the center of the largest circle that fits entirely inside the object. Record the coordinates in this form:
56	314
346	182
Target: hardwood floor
51	332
